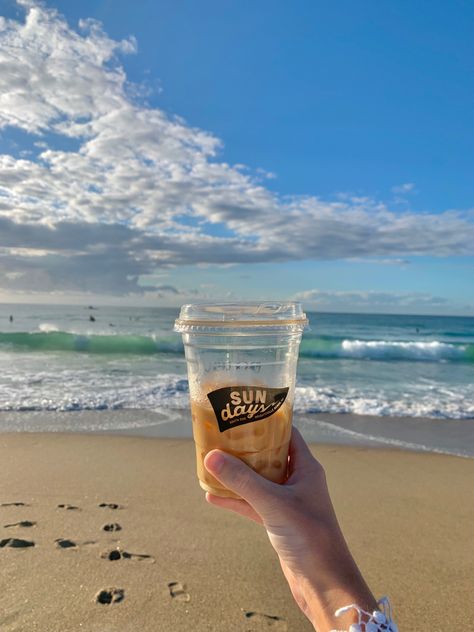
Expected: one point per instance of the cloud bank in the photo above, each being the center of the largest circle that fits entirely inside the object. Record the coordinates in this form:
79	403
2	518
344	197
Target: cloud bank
110	188
359	299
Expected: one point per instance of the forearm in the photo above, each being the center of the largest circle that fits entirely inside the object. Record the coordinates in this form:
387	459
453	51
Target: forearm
326	579
303	529
319	603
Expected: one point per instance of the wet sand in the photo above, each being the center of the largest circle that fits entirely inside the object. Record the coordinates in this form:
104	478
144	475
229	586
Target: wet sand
111	533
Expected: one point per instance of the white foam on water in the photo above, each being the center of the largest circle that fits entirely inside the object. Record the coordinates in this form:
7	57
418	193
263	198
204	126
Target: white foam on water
45	390
434	402
46	328
395	350
114	387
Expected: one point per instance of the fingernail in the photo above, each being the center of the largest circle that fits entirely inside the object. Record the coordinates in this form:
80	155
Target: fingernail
214	462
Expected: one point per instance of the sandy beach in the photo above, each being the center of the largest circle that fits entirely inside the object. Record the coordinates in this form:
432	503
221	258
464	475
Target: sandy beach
91	519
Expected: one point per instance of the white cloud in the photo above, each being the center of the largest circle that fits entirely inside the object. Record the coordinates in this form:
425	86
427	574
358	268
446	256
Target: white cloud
408	187
369	299
116	189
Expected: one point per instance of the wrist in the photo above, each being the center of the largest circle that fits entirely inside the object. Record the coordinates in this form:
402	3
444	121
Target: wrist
331	580
321	606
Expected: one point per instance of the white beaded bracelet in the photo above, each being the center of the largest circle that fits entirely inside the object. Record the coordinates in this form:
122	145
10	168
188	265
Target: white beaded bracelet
376	621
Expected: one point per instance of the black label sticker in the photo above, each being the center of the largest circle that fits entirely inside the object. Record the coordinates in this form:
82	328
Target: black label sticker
238	405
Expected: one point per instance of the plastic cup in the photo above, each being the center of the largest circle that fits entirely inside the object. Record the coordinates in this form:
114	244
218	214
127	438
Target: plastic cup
241	361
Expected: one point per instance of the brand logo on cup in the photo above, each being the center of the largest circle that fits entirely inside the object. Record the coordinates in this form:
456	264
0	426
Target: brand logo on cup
238	405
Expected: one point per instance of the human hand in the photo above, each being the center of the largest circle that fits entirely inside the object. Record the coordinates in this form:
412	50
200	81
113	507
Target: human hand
303	529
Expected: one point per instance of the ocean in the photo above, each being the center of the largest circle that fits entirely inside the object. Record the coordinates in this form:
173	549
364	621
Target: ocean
57	359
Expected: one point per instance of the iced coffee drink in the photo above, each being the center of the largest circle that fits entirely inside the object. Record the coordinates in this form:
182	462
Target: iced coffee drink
241	365
261	440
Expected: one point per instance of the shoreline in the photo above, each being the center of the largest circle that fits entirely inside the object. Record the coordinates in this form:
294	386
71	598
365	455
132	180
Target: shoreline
419	434
193	566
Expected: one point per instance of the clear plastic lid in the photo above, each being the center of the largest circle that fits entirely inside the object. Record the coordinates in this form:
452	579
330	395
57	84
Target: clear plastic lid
214	317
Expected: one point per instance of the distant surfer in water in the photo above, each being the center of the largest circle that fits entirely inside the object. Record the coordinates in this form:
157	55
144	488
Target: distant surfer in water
11	318
92	319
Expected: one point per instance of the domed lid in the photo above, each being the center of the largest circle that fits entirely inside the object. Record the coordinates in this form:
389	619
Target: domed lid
268	315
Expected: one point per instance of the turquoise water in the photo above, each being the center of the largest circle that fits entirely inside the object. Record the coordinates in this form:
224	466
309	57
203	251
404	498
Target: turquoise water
55	358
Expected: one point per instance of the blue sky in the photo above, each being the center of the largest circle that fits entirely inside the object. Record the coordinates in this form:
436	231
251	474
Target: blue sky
324	153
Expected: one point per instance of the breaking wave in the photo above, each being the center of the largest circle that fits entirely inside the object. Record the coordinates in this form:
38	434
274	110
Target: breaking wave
50	339
433	351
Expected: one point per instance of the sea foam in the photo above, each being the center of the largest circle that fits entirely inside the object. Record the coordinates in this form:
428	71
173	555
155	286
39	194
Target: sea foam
394	350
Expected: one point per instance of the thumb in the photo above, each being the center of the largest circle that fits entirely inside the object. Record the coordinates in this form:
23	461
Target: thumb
240	478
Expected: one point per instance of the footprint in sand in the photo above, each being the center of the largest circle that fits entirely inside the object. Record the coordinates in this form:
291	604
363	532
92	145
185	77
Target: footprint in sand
23	523
118	554
16	504
65	543
111	505
62	543
178	592
16	543
112	526
260	621
69	507
110	595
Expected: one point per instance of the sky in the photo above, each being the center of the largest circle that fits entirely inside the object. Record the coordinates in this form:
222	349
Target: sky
163	152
